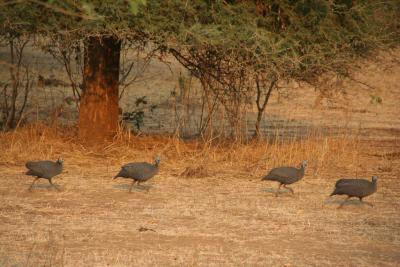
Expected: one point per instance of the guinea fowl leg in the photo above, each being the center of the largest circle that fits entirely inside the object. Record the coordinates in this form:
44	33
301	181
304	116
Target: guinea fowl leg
277	191
290	189
53	185
367	203
30	188
130	189
139	185
341	205
146	188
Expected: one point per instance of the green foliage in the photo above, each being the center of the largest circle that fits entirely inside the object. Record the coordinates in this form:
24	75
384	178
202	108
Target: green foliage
134	5
313	12
289	39
227	44
136	116
287	35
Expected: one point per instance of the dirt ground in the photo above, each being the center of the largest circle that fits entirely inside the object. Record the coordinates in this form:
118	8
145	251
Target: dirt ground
228	217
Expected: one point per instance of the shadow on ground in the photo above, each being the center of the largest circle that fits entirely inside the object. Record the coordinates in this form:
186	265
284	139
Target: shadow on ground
45	186
350	202
275	190
126	187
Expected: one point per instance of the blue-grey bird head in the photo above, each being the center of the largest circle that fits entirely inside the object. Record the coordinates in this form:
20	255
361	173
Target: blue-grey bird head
60	161
304	163
157	160
374	179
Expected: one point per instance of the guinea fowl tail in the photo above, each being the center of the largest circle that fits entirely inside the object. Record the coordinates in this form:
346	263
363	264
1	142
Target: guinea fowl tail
29	165
266	177
333	193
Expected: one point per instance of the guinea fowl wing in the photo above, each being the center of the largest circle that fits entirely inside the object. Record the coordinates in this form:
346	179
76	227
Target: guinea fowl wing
39	168
282	173
139	170
344	182
352	183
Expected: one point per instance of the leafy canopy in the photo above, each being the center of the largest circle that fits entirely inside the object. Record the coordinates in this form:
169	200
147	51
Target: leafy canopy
287	38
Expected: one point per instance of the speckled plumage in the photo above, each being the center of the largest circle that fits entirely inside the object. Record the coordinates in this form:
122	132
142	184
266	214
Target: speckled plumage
139	171
286	175
355	188
44	169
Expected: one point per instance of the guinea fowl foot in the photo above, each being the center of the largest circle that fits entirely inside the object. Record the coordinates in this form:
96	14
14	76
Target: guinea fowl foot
367	203
54	186
57	188
290	189
278	190
142	187
344	202
31	186
133	183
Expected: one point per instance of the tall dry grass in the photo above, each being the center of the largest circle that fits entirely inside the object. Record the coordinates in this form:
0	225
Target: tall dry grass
188	159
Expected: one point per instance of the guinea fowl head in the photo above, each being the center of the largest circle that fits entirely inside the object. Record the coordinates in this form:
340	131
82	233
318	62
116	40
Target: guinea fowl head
60	161
157	160
374	179
304	164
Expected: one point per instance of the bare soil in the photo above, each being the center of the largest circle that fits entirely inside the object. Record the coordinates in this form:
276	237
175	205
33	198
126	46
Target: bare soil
229	217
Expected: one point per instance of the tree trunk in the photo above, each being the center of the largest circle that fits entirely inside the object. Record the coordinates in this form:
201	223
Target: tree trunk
261	106
98	112
257	133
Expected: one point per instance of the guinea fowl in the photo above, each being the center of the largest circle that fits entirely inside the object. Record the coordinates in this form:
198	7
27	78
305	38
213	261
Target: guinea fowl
44	169
286	175
355	188
139	171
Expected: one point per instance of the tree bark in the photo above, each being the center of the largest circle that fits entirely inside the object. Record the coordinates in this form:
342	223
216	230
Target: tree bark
98	112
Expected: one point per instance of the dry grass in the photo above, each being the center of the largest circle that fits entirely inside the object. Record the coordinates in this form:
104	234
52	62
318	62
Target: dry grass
225	217
189	159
